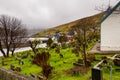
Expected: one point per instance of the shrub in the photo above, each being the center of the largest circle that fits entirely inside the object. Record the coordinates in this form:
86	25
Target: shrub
43	61
54	45
91	56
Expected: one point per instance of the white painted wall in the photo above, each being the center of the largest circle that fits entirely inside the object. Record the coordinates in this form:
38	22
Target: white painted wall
110	33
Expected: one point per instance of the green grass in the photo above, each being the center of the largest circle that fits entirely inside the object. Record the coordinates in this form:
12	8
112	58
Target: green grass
60	65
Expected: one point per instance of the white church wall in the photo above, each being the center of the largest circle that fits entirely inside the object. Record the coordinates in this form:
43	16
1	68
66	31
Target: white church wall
110	33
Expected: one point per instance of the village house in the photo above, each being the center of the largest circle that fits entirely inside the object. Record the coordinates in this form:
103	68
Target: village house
41	39
57	35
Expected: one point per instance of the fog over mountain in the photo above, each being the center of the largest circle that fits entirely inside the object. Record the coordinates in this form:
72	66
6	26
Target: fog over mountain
34	31
50	13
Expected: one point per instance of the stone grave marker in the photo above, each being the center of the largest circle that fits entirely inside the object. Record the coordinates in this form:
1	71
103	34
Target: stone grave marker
96	74
2	61
12	67
18	68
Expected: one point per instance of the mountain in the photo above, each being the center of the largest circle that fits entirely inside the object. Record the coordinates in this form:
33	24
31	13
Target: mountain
34	31
66	27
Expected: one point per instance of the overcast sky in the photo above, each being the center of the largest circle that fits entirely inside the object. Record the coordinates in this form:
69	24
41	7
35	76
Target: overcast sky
50	13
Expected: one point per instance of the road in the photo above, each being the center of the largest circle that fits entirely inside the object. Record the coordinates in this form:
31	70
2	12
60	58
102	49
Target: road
25	48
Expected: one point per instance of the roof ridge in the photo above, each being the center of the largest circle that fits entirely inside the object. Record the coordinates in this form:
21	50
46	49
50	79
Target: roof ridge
110	11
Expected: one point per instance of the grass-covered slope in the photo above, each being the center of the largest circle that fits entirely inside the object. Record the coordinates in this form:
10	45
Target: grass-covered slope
60	66
66	27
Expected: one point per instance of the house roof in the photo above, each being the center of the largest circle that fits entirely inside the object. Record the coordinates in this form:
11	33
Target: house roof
110	11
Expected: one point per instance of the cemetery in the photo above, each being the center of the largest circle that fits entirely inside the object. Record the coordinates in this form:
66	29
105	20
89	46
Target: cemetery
66	67
72	60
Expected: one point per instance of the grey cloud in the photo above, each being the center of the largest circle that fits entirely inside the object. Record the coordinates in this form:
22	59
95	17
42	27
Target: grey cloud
50	13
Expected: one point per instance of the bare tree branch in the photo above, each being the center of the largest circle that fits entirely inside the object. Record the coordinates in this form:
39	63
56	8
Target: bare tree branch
12	33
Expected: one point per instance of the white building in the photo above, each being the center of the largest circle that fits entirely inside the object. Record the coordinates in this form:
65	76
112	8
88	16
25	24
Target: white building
42	39
110	30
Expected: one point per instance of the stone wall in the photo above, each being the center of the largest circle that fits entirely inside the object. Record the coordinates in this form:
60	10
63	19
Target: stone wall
12	75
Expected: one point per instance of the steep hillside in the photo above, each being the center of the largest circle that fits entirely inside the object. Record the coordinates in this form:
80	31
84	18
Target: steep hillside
66	27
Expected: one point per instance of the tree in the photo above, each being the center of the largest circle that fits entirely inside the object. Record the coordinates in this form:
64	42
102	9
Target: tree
42	59
107	7
33	45
11	34
84	31
62	39
49	42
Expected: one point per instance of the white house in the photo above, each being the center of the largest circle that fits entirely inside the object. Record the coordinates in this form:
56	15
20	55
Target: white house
42	39
110	30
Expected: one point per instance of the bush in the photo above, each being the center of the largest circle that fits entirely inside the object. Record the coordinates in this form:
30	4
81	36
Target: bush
57	50
43	61
47	70
116	62
54	45
64	46
91	56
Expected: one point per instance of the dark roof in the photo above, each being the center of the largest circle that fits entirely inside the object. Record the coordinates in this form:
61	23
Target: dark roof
110	11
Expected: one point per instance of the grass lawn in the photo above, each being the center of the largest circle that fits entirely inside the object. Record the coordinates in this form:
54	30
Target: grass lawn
60	65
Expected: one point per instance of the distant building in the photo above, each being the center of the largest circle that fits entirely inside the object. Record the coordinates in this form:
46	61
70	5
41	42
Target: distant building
70	36
42	39
110	30
55	37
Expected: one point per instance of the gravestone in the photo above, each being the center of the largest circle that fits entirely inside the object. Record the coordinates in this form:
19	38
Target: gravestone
80	61
88	63
116	61
96	74
2	61
61	56
33	75
40	77
117	69
18	68
12	67
21	62
76	51
57	49
75	72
